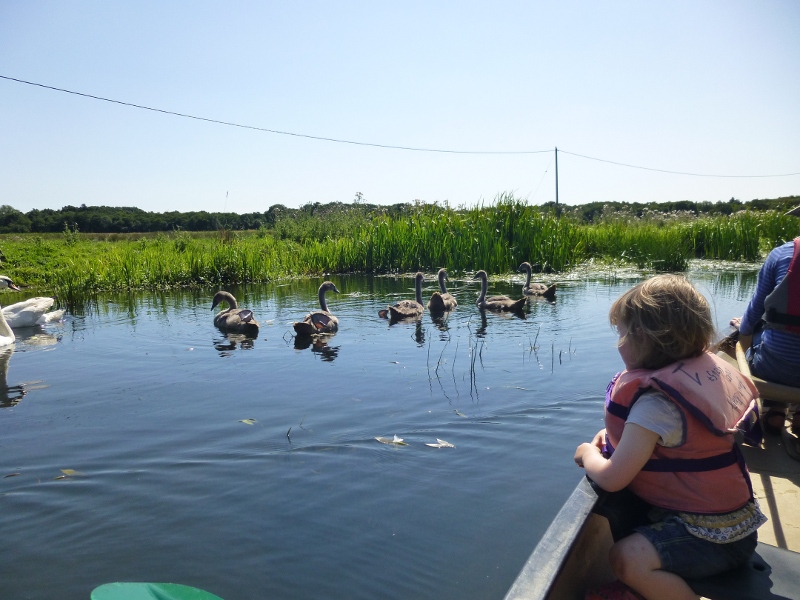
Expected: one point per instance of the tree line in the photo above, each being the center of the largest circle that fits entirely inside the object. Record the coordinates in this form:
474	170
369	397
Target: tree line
108	219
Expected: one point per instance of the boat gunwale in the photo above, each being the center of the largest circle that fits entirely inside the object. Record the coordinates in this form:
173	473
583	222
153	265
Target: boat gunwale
542	569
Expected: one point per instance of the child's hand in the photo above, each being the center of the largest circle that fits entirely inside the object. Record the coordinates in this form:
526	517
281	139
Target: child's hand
596	444
583	450
600	439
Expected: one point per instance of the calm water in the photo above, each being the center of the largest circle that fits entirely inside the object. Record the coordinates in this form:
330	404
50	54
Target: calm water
145	401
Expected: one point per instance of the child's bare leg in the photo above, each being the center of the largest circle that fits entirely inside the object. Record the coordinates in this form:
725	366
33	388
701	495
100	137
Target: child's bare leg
636	563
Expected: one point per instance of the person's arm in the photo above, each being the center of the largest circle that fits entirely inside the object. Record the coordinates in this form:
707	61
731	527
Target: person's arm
755	308
612	474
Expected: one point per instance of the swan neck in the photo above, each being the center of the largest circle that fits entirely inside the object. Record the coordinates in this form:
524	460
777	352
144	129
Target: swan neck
442	287
484	288
322	303
418	290
528	282
5	330
230	300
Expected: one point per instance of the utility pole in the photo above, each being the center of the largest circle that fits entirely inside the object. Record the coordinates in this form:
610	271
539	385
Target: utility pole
556	179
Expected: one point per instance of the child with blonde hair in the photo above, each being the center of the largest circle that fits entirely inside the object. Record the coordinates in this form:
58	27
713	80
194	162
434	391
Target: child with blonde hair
670	419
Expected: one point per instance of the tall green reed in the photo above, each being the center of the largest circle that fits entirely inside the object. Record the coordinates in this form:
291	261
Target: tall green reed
496	238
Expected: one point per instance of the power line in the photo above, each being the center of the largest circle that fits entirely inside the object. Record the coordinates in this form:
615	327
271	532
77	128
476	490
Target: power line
372	145
253	127
542	179
670	172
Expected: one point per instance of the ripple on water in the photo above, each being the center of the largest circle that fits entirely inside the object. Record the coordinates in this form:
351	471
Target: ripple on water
250	467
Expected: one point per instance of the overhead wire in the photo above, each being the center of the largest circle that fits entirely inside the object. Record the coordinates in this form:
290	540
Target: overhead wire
667	171
375	145
547	168
253	127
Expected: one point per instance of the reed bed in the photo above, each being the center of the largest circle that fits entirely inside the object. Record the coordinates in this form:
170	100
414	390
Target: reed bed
496	238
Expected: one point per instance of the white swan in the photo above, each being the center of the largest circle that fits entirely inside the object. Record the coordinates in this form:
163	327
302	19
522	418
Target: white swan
7	336
30	312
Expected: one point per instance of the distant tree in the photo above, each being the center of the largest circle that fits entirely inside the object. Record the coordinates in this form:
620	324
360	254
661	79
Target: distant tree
13	220
314	219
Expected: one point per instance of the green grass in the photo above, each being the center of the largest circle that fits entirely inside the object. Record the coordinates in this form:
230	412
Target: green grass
496	238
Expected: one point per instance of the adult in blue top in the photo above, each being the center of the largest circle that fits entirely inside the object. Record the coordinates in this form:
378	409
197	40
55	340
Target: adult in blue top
770	327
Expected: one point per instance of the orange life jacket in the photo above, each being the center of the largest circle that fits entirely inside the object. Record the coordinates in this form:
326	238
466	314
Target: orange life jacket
706	473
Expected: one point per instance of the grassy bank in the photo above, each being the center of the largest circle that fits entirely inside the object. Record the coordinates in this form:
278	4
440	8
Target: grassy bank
496	238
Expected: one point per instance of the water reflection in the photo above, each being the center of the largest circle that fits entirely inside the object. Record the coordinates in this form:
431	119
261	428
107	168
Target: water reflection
318	344
535	300
27	339
31	337
227	344
733	284
9	395
419	333
509	315
439	319
500	398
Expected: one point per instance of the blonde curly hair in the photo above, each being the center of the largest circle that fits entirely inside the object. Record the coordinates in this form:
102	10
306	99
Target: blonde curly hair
667	320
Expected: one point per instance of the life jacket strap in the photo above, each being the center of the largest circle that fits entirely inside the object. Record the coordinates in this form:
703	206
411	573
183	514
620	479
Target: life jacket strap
691	465
773	316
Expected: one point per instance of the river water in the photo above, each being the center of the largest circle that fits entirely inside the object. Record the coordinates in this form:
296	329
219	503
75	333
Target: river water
138	443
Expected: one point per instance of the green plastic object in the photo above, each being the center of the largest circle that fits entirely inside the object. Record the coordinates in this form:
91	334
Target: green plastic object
149	591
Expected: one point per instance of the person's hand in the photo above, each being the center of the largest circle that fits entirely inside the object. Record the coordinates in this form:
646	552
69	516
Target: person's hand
599	439
735	322
583	450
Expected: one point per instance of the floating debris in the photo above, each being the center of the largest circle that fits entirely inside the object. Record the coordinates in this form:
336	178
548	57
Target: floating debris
67	473
441	444
248	421
72	473
397	441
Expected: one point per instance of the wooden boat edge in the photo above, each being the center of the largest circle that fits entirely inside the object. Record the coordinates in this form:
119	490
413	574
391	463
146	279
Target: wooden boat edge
571	555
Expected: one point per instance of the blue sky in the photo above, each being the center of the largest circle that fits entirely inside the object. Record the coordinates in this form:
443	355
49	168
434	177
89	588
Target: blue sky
707	87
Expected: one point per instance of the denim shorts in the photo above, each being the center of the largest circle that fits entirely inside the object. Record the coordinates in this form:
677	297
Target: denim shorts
691	557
